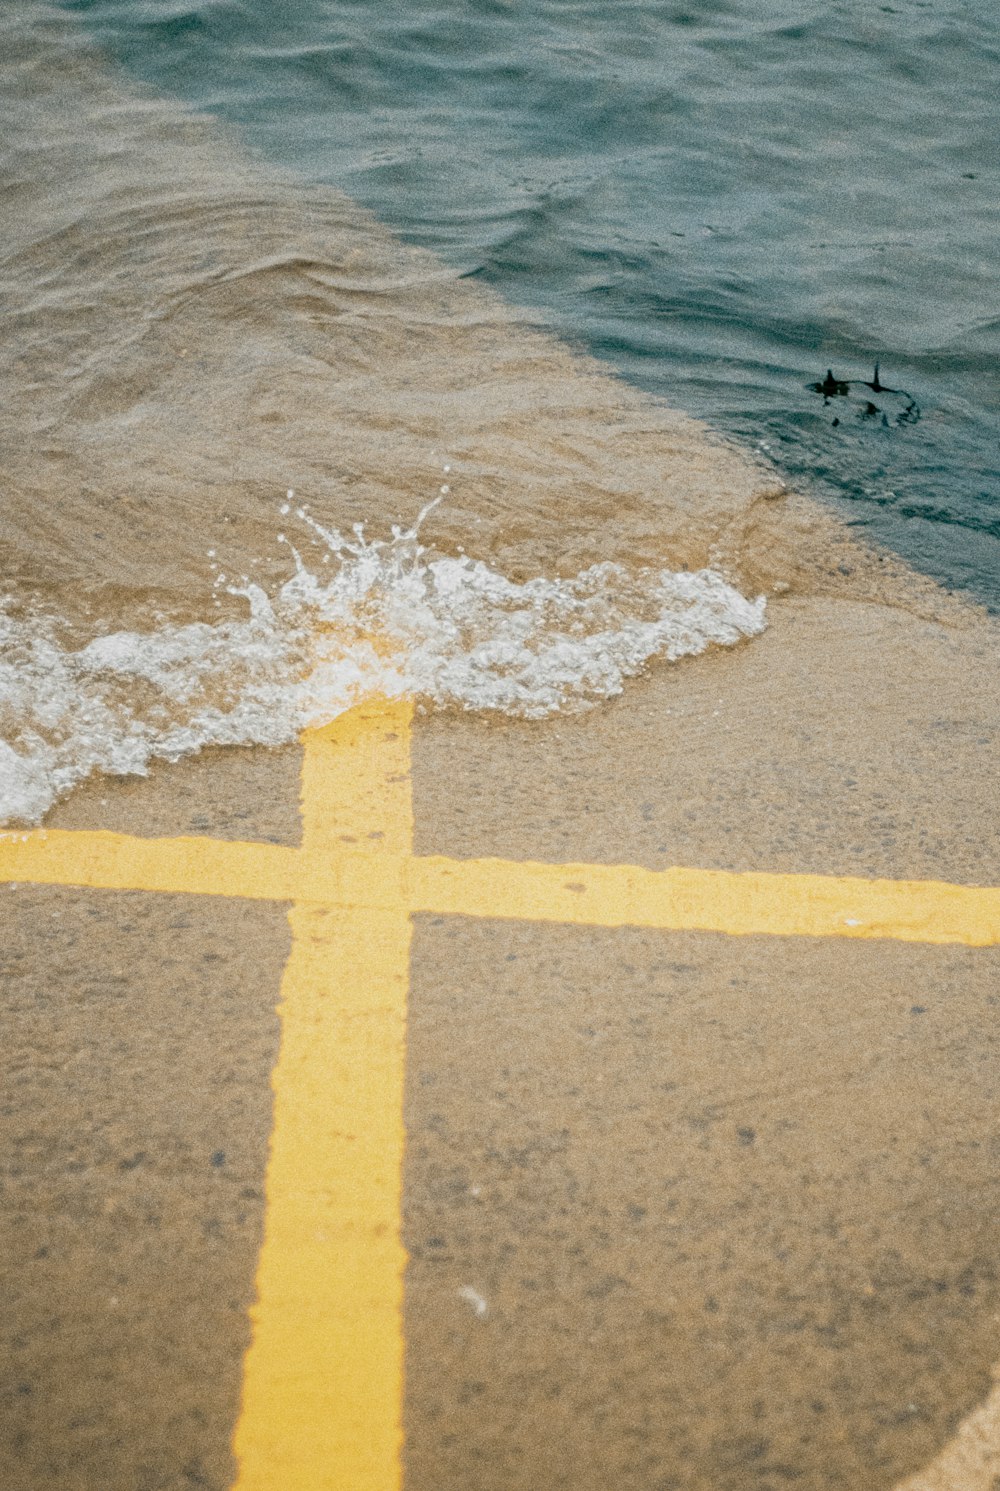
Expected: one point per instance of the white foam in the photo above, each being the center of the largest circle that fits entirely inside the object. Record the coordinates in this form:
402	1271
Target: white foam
388	618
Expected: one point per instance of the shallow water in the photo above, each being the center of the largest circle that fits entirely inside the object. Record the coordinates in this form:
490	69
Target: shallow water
228	390
225	400
383	618
723	198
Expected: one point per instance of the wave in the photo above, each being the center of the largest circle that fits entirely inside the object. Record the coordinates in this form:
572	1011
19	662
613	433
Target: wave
374	616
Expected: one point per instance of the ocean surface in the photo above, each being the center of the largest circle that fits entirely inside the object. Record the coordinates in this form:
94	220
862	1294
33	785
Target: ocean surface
352	347
722	198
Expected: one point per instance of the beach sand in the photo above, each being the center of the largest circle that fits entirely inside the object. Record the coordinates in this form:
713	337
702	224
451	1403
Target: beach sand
731	1202
684	1210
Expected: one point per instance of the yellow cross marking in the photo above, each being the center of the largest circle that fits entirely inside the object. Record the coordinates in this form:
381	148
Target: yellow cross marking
323	1379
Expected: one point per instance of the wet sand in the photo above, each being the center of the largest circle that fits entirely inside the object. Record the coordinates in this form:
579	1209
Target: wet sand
189	334
732	1201
729	1204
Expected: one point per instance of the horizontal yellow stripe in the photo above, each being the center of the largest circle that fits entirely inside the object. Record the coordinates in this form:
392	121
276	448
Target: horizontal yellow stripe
706	900
107	861
581	894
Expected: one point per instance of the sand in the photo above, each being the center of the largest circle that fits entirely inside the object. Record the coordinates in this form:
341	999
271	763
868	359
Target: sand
684	1210
731	1203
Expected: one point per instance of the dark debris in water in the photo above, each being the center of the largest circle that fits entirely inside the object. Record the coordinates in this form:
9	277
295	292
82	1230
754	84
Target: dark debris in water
895	402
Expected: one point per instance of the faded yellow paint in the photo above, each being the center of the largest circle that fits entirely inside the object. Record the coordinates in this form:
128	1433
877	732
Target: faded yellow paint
105	861
322	1387
706	900
347	866
323	1378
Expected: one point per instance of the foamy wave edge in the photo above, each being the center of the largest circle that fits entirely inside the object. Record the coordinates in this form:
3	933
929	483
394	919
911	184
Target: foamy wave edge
377	617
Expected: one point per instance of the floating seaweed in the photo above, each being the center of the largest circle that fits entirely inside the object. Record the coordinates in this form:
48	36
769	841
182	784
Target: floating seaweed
905	411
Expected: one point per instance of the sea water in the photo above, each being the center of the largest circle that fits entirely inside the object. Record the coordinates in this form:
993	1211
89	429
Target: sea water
723	198
261	456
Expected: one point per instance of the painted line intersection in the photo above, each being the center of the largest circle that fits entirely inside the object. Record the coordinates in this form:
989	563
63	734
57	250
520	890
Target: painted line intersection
323	1378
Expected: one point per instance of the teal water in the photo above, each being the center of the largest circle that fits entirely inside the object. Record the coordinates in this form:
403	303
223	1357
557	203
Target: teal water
722	198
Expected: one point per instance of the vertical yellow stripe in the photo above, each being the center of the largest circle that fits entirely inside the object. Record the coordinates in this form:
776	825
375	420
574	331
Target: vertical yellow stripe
323	1379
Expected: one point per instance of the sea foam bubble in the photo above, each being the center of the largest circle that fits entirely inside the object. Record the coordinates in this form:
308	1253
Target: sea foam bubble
381	616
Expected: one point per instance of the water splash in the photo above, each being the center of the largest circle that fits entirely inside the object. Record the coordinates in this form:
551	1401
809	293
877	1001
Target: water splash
380	616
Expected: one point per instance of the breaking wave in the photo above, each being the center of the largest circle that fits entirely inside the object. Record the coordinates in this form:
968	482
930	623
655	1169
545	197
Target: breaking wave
373	617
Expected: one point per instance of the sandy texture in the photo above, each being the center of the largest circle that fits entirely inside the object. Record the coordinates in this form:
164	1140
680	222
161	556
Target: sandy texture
730	1203
139	1035
970	1461
686	1212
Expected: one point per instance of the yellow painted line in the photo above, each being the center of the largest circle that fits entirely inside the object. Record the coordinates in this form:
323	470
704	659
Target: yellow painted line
323	1379
707	900
106	861
353	865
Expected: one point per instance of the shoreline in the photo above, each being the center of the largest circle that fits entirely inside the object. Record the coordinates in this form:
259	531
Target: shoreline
605	1129
682	1208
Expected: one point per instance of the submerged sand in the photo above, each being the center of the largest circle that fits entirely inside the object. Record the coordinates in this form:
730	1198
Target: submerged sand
731	1203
